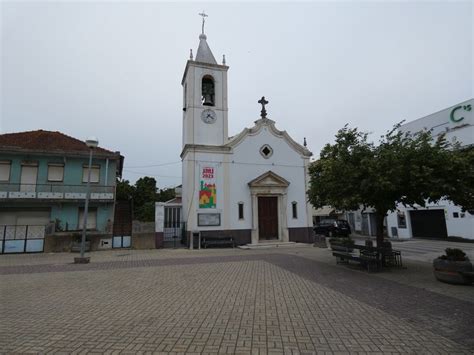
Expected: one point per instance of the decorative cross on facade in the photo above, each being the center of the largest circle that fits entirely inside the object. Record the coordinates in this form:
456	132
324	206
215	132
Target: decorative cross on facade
203	15
263	102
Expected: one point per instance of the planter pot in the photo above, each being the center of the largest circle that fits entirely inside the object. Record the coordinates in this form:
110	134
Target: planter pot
451	271
76	246
83	260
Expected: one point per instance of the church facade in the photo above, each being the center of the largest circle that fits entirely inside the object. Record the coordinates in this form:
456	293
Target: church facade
251	186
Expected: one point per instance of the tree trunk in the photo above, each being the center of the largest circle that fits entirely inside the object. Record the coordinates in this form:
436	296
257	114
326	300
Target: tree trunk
379	216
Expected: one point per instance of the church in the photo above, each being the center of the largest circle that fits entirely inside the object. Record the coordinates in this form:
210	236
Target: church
251	186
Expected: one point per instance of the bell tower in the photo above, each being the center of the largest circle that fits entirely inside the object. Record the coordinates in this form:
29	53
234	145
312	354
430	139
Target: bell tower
204	97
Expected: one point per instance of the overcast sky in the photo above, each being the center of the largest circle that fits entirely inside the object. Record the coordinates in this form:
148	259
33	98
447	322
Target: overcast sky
114	70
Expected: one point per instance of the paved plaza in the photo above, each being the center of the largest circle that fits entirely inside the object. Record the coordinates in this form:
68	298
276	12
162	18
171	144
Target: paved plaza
276	301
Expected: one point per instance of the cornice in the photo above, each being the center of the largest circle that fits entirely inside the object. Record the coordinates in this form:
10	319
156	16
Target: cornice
202	148
265	122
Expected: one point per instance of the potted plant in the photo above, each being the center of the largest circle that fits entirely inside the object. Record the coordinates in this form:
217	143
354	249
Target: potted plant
453	267
345	244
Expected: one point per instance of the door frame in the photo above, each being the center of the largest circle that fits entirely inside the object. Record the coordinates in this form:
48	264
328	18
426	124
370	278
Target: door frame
270	184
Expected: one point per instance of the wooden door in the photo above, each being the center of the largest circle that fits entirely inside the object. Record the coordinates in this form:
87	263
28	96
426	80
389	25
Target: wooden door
268	217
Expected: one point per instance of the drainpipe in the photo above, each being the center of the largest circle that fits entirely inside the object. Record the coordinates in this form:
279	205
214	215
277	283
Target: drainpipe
106	172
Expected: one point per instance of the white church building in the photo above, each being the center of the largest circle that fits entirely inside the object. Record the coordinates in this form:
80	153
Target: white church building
251	186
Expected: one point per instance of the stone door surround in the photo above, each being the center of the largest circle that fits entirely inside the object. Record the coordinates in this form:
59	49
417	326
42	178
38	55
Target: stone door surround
270	184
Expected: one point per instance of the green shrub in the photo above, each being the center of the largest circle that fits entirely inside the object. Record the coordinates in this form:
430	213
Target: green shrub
454	254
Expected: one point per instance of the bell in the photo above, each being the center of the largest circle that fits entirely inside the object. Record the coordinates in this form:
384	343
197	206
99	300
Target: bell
207	100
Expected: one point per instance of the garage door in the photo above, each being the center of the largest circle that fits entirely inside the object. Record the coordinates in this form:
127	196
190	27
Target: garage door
23	231
428	224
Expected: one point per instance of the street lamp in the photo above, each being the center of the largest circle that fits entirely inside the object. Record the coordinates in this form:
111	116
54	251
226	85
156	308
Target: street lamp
92	143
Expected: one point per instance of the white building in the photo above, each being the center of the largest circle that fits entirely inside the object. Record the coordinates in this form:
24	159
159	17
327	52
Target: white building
443	219
251	186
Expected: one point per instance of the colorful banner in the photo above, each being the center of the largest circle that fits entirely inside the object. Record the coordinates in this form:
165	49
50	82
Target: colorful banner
207	189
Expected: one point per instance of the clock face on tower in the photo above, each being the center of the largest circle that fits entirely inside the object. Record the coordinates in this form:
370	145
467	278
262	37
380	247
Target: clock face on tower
208	116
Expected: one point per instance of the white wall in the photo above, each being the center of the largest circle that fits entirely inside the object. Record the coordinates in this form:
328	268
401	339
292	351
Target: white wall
392	221
195	131
255	165
456	227
441	122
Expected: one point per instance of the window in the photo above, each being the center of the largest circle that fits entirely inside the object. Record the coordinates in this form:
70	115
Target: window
207	90
184	98
91	218
55	172
401	219
5	166
241	210
266	151
294	209
455	214
95	173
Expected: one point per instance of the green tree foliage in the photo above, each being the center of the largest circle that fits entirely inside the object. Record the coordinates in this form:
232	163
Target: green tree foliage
143	194
402	168
124	190
166	194
145	191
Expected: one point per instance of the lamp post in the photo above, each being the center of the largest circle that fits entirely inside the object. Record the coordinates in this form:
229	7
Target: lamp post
91	142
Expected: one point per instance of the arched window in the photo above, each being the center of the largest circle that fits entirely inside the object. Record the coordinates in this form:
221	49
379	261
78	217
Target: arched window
241	210
207	90
294	208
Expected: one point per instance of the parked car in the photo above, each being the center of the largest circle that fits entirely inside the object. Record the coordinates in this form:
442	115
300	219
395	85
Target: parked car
332	228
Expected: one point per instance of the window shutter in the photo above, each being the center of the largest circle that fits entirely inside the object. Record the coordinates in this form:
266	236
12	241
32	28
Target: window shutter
95	173
55	172
5	170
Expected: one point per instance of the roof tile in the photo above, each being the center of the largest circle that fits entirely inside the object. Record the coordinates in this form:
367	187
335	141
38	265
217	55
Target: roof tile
47	141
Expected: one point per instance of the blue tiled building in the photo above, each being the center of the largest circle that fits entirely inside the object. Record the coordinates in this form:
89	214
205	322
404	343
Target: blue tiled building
43	178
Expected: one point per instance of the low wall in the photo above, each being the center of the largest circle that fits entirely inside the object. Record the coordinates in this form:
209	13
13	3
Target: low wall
62	242
143	227
143	241
143	235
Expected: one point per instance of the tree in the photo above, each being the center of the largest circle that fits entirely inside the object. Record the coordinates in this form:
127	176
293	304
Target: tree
402	168
166	194
144	197
125	191
461	179
144	194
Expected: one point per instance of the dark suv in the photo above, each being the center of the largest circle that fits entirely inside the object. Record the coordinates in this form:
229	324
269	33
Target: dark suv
332	228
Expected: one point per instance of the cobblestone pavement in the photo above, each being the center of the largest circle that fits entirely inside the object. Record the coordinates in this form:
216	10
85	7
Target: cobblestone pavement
220	301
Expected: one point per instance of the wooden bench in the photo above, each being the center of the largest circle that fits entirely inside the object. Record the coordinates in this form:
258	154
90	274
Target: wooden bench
368	259
217	241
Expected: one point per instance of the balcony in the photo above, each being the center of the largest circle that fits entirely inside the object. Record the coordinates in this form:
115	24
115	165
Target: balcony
56	191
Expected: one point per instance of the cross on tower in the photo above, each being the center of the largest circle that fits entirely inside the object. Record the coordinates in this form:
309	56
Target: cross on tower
263	102
203	15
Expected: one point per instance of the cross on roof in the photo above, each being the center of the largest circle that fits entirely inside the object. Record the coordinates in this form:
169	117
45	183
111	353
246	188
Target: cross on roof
203	15
263	102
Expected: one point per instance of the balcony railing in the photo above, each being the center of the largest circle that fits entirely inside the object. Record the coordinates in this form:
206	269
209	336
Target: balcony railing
55	191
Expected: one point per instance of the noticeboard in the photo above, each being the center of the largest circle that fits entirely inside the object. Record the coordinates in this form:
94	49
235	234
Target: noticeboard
209	219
